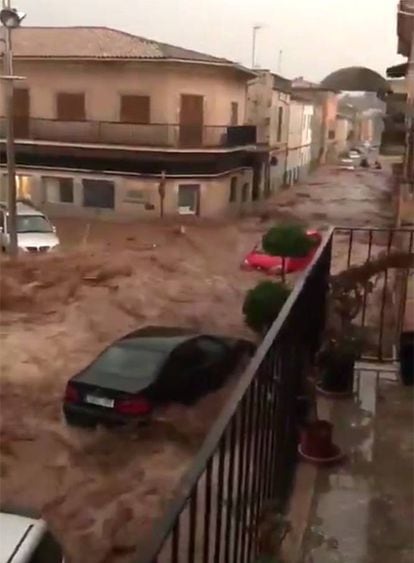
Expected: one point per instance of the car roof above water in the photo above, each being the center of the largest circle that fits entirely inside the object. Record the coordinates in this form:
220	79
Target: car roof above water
23	209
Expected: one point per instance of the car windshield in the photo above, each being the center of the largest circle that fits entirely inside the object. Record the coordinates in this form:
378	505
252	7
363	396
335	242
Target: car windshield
129	362
33	224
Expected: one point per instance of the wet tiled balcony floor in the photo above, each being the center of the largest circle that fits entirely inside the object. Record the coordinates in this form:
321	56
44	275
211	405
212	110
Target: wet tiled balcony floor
366	504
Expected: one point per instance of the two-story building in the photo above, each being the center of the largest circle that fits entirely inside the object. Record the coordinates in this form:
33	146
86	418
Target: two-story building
111	124
268	103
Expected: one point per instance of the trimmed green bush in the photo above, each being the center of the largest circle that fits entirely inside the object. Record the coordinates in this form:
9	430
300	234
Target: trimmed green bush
263	304
287	241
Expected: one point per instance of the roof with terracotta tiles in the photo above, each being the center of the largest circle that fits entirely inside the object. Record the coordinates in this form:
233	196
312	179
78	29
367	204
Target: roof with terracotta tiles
97	43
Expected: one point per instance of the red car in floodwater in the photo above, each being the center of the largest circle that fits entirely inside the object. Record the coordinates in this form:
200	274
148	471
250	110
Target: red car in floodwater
257	259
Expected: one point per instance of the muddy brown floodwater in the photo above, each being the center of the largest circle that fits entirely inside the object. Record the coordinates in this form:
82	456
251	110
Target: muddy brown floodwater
97	489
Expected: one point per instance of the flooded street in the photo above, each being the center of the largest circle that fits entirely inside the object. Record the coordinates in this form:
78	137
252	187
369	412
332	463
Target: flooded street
359	198
135	274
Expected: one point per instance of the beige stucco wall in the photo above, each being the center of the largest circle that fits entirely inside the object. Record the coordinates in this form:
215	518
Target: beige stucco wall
214	194
262	109
104	82
259	104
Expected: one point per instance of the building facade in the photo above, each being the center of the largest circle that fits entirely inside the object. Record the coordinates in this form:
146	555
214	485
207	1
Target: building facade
104	118
325	104
405	72
268	107
299	139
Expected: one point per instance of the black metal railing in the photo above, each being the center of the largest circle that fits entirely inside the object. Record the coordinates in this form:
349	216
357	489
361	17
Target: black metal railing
385	296
248	458
132	134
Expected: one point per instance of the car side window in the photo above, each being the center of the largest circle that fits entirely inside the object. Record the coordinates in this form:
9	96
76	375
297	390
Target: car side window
185	357
211	349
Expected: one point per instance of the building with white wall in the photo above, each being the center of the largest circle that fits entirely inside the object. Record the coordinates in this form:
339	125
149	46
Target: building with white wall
299	139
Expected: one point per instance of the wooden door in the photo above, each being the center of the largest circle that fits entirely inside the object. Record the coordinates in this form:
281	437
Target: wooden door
191	121
21	117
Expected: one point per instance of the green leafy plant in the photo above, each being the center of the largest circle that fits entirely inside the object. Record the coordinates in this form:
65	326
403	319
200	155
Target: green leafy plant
263	304
287	241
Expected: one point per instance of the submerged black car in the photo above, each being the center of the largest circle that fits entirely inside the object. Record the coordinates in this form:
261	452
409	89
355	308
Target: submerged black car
150	367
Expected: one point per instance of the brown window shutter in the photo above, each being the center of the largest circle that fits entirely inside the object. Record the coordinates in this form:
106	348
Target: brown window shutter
71	107
135	109
234	116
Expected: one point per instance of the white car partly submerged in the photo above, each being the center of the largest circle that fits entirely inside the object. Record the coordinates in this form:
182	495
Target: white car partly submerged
35	233
24	539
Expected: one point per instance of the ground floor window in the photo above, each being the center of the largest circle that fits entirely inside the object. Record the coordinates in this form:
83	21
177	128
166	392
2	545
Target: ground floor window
98	193
189	199
58	190
245	192
233	190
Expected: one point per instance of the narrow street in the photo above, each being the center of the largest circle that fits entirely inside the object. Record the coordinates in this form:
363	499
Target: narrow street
193	279
359	198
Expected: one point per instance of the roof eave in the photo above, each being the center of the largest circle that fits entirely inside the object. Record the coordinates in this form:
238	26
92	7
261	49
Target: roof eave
224	64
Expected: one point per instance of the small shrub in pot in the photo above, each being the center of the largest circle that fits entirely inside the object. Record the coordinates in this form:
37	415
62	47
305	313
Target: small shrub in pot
287	241
263	304
336	362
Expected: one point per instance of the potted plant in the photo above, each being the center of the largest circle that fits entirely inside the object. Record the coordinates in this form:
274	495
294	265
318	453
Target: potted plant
287	241
263	304
336	362
342	347
315	444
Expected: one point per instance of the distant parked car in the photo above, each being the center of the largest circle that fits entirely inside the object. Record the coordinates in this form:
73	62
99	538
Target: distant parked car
257	259
150	367
25	539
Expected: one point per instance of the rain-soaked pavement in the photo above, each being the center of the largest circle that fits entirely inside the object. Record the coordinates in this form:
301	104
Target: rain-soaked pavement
363	510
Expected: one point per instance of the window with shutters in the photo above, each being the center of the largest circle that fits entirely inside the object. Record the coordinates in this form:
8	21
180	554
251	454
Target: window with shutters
234	115
71	107
135	109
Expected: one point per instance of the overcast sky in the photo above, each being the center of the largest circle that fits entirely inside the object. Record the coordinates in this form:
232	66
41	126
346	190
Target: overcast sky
316	36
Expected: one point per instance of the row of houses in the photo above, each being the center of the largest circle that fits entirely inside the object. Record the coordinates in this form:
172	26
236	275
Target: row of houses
110	124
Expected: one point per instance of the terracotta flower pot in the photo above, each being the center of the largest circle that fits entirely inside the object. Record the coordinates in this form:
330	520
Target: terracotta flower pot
316	440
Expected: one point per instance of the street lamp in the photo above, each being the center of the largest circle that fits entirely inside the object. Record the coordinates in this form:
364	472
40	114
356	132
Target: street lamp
11	19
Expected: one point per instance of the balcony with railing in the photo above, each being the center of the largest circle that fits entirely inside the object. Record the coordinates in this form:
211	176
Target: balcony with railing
132	135
248	460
